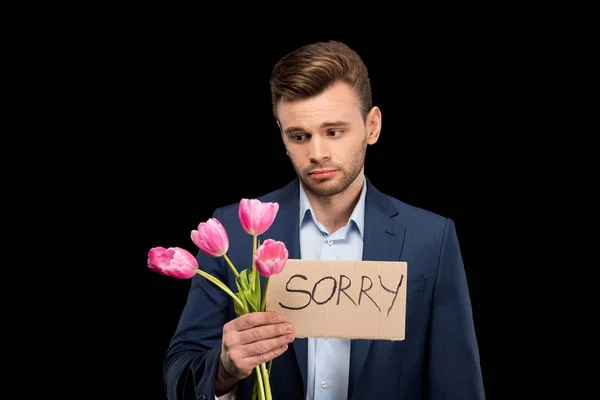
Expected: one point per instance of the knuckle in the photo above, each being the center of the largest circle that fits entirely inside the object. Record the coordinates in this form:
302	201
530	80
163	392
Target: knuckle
278	330
281	340
226	341
237	363
276	352
242	322
283	328
262	358
226	346
260	347
251	319
226	328
235	360
231	367
255	334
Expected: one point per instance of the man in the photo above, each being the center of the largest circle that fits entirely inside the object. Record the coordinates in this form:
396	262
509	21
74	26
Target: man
322	104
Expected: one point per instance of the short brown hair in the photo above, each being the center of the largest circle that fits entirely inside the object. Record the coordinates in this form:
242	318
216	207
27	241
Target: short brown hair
312	68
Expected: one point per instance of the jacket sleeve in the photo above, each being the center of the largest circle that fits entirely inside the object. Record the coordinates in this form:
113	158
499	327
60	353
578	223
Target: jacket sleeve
193	354
454	370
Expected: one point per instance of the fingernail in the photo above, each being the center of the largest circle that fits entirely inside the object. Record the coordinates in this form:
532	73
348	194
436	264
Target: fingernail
288	327
289	336
277	317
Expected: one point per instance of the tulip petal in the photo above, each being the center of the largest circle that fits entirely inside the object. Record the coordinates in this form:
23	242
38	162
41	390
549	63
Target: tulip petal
211	238
256	217
174	261
271	257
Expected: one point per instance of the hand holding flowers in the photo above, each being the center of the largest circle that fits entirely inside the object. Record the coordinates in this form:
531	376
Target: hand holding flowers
268	258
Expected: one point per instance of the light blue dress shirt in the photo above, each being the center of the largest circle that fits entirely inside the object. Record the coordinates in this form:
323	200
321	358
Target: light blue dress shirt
329	359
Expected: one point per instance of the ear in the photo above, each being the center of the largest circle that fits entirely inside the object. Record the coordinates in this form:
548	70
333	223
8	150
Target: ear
373	125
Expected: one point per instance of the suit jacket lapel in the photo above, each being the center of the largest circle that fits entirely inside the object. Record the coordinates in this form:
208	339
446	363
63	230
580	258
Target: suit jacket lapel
286	228
383	240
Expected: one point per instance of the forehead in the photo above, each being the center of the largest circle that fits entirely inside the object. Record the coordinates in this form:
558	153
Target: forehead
338	103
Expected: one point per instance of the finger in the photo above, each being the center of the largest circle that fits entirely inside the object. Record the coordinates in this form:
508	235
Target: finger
266	357
253	319
266	345
263	332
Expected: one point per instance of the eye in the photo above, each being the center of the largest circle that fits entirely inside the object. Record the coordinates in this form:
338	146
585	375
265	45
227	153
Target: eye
298	137
335	133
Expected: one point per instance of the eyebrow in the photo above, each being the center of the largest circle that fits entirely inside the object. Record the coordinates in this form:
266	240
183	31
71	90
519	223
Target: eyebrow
337	124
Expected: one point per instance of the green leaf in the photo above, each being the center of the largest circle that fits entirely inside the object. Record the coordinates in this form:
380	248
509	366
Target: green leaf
245	285
244	279
254	306
255	284
236	306
243	290
241	281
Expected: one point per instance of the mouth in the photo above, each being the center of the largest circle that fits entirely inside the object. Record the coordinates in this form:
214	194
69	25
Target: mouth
322	173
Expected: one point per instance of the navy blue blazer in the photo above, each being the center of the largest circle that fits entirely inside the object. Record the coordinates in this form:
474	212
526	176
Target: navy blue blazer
439	359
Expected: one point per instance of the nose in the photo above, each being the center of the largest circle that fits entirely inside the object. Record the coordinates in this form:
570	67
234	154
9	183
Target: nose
318	149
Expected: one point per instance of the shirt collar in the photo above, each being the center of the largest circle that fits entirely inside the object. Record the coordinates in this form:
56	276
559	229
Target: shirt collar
357	216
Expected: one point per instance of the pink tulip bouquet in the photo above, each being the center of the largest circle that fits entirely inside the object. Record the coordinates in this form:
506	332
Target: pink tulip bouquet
268	258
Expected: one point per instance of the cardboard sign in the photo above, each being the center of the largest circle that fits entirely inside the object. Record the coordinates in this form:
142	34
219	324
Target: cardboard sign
341	299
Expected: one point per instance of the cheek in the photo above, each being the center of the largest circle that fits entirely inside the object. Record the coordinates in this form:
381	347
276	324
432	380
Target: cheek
349	153
297	154
344	150
293	157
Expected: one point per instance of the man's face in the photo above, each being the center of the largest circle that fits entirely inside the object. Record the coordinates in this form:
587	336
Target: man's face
326	138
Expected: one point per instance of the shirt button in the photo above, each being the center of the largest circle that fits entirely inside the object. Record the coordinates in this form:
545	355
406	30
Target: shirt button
330	242
323	384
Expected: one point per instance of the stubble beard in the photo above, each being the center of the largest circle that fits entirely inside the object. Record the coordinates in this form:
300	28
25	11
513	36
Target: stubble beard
345	179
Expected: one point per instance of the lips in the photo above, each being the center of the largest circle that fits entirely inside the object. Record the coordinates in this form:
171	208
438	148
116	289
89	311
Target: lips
322	173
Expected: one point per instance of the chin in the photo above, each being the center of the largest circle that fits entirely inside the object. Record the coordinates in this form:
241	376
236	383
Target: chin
324	188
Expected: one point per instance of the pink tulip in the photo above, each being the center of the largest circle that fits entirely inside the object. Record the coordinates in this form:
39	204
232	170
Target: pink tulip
174	261
271	257
211	238
256	217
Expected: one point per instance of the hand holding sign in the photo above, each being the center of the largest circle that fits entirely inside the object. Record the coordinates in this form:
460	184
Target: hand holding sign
342	299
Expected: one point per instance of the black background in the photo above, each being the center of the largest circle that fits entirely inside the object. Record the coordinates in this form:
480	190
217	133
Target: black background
191	129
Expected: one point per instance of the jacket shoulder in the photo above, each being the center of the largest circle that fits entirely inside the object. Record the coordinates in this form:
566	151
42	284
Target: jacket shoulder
421	221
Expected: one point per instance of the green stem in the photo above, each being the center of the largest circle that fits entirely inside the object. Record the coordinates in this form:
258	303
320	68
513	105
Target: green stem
231	265
254	274
261	389
267	382
263	306
222	286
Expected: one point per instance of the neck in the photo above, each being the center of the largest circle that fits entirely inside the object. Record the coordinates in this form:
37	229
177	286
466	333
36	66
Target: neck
335	211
